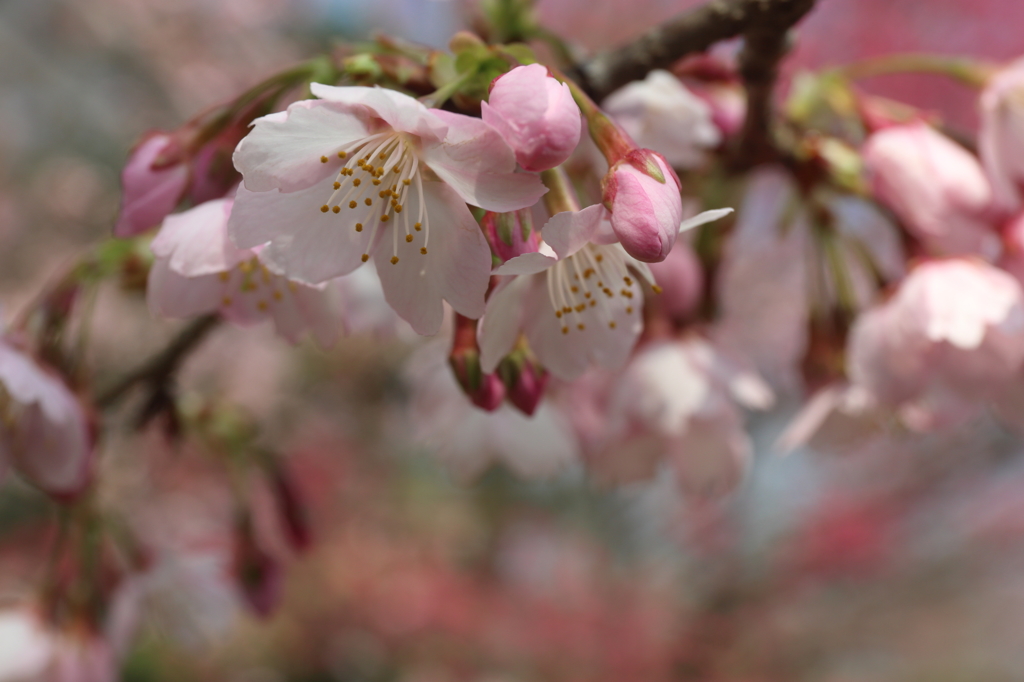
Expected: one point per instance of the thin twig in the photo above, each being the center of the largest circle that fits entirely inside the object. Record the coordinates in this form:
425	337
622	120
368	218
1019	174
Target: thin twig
694	31
157	370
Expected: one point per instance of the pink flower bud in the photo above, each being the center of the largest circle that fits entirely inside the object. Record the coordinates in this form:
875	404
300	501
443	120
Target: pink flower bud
44	428
151	189
510	234
525	382
536	116
934	186
485	390
1001	137
681	279
642	193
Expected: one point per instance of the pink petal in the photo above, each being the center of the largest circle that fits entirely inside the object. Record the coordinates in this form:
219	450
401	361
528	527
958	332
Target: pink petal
456	268
148	195
503	320
196	242
567	232
285	153
402	112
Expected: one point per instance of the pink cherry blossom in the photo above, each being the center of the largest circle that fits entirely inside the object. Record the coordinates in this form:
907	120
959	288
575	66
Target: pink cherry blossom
468	440
661	114
681	279
44	432
952	333
331	182
536	116
149	191
678	400
198	270
1001	138
510	234
936	188
642	193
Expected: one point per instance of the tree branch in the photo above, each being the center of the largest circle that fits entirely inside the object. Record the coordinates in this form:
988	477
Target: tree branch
157	370
691	32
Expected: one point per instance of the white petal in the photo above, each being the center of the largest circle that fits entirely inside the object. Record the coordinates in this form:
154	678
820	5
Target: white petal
306	244
285	153
703	218
456	267
401	112
172	295
503	320
567	232
195	242
528	263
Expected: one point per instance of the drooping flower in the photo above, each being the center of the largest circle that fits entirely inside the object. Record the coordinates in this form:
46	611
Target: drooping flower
661	114
577	302
936	188
953	334
44	431
198	270
367	172
535	114
678	401
1001	137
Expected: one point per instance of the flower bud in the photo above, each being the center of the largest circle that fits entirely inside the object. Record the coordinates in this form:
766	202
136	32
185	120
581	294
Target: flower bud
485	390
525	381
642	193
535	114
934	186
150	190
510	234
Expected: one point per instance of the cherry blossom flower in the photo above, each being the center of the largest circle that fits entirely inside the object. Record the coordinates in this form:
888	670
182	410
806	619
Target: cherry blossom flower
367	172
679	400
198	270
661	114
149	193
536	116
953	333
642	193
1001	137
468	440
935	187
576	302
44	431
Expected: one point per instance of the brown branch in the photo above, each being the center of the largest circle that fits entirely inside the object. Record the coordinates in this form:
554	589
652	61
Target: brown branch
157	370
691	32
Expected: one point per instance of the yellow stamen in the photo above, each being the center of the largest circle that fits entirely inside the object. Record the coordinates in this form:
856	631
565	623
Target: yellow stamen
408	237
325	208
366	257
394	260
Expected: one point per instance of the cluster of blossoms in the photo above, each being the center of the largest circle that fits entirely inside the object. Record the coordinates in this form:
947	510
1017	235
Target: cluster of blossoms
589	314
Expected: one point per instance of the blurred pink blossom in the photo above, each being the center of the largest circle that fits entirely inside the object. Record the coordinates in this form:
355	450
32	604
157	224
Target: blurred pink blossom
32	651
536	116
953	332
1001	137
661	114
936	188
149	191
681	279
45	432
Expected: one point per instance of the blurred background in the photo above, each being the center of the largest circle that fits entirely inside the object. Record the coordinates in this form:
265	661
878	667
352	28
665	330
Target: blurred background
877	565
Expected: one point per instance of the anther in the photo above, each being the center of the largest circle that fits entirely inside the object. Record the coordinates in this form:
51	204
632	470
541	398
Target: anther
352	204
342	155
581	326
407	182
359	227
336	209
278	295
565	330
383	156
418	226
366	257
262	305
224	276
376	181
368	201
398	208
337	185
629	309
355	183
611	325
408	237
574	289
599	258
558	314
656	289
325	208
383	193
394	260
226	300
323	159
384	218
423	250
628	281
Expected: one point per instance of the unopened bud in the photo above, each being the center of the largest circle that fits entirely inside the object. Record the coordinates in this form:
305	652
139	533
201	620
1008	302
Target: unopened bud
486	391
510	234
642	193
525	381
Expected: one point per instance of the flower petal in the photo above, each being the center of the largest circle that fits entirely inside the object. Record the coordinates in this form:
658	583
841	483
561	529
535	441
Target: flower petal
568	231
455	268
402	112
306	244
477	163
196	242
502	321
170	294
528	263
704	218
285	152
